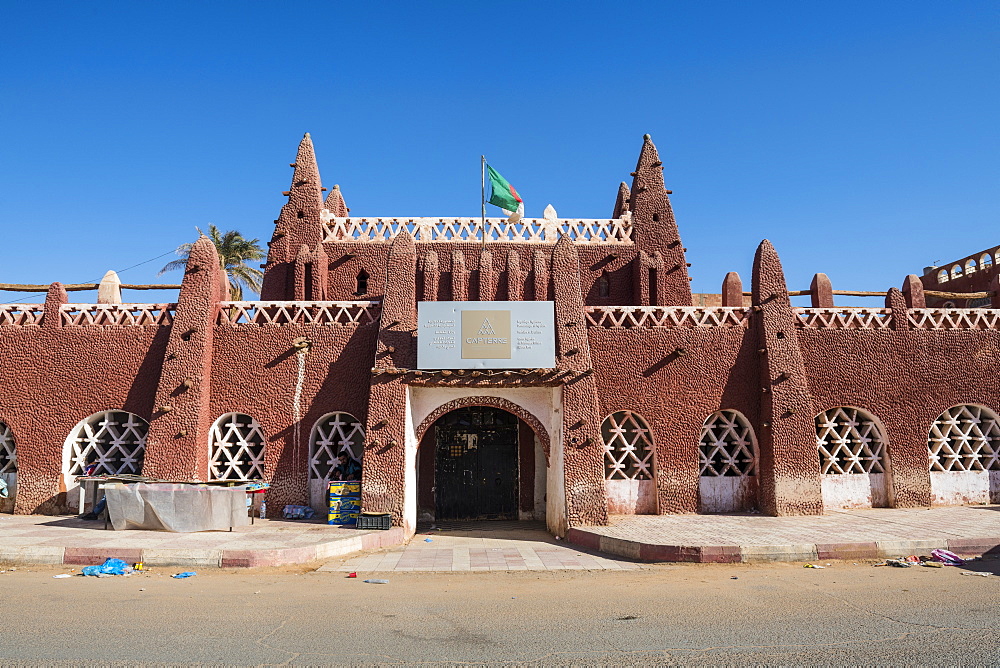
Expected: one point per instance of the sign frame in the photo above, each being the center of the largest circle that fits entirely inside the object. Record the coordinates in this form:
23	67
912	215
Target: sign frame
486	335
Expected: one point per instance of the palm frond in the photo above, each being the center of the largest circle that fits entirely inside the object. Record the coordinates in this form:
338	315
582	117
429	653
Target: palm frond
234	252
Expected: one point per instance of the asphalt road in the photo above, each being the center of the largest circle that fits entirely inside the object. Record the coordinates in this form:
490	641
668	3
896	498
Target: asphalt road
683	614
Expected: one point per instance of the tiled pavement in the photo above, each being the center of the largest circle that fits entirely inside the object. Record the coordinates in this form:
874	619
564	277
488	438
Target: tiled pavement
849	534
854	534
269	542
486	546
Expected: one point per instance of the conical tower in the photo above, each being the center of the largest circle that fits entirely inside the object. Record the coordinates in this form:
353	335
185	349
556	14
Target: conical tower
298	223
661	276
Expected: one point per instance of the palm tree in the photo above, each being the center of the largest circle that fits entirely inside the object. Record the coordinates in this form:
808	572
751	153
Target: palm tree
234	253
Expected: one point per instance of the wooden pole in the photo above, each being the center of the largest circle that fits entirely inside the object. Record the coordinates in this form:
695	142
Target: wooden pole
76	287
483	164
862	293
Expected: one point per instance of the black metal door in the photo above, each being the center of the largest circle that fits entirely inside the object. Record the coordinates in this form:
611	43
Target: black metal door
476	464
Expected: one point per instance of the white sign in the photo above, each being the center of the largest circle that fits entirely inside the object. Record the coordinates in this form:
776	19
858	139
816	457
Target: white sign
486	335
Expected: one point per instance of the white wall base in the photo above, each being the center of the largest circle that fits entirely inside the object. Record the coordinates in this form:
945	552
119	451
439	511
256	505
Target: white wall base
854	490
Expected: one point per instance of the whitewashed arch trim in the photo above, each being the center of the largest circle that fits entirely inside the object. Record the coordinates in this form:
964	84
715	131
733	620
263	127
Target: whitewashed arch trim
8	451
727	446
628	447
332	434
114	440
965	438
236	448
849	440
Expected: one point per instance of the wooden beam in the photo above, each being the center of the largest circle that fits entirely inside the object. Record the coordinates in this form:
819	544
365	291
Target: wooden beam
862	293
76	287
957	295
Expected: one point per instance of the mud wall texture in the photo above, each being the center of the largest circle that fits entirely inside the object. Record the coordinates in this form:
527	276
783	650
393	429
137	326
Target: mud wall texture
54	376
675	379
260	372
628	339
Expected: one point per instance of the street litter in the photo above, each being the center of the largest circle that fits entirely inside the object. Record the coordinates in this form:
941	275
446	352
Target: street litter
377	582
982	575
933	564
291	512
899	563
813	566
62	575
108	568
947	558
352	575
428	540
185	574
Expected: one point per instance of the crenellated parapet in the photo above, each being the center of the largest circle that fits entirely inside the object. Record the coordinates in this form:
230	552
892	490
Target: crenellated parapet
470	230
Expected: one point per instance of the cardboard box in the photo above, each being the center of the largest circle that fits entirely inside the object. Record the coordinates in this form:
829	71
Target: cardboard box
345	488
345	504
342	518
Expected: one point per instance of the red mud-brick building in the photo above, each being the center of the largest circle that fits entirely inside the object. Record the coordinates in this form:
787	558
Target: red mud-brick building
655	401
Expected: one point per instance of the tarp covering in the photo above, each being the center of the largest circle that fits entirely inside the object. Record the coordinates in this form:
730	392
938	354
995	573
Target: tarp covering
175	507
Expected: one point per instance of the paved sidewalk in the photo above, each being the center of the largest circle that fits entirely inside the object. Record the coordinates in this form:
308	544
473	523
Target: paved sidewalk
27	539
874	533
482	546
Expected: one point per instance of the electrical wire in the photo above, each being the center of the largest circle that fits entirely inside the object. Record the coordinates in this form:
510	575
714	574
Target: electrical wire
32	295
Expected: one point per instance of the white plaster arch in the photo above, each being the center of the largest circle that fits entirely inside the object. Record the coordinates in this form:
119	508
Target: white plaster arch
854	465
543	403
114	440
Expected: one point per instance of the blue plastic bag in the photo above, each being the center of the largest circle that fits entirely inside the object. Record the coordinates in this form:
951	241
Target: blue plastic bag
291	512
185	574
109	567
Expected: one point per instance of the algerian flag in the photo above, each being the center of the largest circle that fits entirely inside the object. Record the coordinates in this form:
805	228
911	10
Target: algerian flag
502	194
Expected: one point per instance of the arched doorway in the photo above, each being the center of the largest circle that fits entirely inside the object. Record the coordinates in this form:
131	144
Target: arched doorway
476	464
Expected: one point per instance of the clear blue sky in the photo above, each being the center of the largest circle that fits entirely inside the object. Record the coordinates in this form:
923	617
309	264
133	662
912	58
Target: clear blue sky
860	137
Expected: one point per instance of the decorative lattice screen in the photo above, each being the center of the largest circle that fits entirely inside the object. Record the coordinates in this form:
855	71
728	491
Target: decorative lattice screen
849	441
628	447
332	434
114	440
8	453
965	438
728	447
236	448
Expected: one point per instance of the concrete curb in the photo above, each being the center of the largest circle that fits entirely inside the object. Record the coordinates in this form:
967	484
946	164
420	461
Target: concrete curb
728	554
204	558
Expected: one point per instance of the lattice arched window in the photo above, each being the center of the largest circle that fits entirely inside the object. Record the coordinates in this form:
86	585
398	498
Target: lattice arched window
332	434
956	271
236	448
628	447
114	440
986	261
849	441
965	438
8	452
970	267
943	276
728	446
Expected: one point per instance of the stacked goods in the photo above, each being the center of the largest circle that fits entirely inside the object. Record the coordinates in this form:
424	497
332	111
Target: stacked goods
345	502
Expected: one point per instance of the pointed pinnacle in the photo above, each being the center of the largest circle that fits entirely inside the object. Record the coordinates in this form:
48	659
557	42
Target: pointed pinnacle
648	156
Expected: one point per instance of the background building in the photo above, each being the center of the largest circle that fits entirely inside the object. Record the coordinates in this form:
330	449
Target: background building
651	405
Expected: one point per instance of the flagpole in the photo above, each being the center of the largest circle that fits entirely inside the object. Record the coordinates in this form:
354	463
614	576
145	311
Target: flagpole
484	199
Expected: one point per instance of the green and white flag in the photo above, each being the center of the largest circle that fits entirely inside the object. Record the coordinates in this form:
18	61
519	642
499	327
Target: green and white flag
502	194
